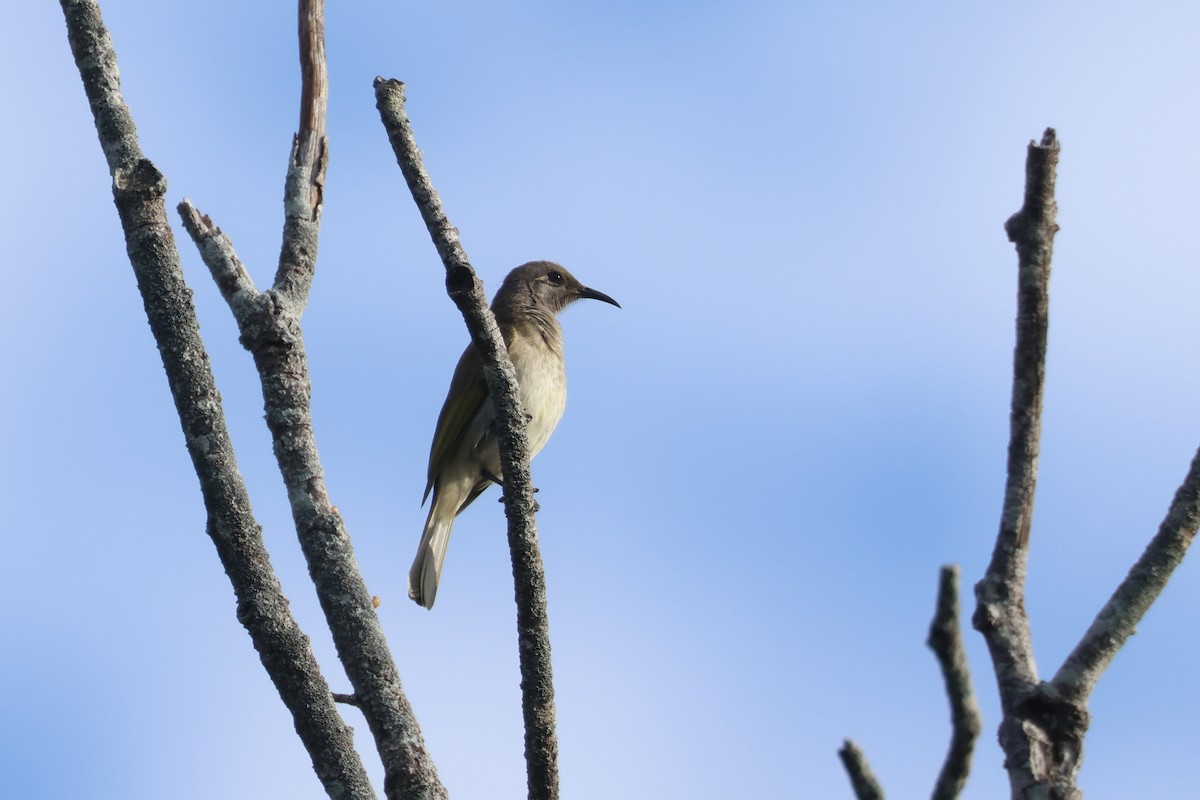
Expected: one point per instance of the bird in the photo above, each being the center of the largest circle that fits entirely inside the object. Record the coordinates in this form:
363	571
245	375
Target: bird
464	458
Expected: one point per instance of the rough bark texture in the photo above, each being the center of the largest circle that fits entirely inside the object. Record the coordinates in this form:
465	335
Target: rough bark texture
945	639
269	323
1044	723
1118	620
465	289
862	779
1041	737
139	190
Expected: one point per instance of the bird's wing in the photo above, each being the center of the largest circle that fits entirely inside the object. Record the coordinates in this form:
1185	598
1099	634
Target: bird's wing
468	390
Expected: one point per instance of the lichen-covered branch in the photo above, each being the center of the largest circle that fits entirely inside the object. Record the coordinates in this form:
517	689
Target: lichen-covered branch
304	188
465	289
270	330
139	190
945	639
269	323
862	780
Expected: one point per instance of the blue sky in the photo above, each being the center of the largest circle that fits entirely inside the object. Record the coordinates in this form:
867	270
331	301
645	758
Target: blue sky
799	414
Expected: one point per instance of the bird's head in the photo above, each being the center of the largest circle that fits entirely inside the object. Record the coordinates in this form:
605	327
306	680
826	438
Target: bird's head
542	286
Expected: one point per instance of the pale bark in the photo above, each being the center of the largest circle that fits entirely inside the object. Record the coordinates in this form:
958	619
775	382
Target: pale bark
139	190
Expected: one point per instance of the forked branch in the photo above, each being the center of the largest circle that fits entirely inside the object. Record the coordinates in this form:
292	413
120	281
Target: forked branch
1044	723
139	190
945	639
269	323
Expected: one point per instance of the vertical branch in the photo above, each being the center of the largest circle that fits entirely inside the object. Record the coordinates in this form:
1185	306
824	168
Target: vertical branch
1000	613
945	639
305	183
139	190
1044	724
314	77
1041	732
465	289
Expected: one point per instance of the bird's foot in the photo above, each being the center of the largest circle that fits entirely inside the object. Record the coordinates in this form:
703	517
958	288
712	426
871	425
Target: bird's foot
536	505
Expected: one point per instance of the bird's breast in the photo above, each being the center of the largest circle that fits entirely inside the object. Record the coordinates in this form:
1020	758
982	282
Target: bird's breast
542	383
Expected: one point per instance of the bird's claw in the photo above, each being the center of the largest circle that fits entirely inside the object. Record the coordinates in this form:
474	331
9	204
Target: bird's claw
536	505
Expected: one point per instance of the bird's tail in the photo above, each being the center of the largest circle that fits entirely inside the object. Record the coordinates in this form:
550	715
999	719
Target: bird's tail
431	554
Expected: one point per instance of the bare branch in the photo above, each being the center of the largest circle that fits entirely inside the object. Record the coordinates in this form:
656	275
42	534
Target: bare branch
465	289
305	183
866	787
389	99
269	323
138	190
945	639
1118	619
217	252
1041	731
1000	613
314	77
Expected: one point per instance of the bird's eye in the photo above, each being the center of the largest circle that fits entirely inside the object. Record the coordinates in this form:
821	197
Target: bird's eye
555	277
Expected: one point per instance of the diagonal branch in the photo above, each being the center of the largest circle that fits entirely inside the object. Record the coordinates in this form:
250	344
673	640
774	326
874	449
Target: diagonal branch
269	323
465	289
1118	619
272	334
862	779
945	639
138	190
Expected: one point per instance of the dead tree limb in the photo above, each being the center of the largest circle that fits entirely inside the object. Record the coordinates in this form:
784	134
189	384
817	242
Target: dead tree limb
1119	617
1044	723
269	323
465	289
1041	735
138	191
945	639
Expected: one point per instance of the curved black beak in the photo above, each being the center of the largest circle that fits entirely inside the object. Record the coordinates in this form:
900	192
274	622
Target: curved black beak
592	294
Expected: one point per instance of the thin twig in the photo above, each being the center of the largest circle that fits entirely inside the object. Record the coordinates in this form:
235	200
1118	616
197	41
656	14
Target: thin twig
866	787
945	639
139	190
465	289
269	323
